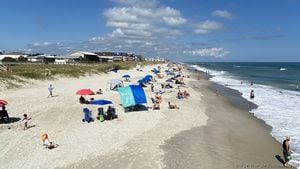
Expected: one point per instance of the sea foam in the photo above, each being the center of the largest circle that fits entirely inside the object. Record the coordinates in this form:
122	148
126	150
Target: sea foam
279	108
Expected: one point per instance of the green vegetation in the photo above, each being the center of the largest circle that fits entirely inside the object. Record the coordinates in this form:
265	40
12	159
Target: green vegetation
19	72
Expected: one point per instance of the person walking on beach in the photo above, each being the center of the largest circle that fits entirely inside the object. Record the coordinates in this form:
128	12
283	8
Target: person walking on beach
286	151
152	87
50	89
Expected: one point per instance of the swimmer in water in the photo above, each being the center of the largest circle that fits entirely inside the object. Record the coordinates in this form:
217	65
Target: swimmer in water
252	94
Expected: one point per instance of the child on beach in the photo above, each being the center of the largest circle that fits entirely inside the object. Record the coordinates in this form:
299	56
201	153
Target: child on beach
50	89
25	120
172	106
47	143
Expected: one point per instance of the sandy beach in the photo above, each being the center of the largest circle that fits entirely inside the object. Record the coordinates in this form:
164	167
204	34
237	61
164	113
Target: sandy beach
61	116
206	132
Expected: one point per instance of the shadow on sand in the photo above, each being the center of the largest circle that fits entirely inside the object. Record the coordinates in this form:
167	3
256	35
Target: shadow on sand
136	108
11	120
279	158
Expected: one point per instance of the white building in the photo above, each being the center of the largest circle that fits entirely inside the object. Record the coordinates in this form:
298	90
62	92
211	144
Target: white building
13	55
86	56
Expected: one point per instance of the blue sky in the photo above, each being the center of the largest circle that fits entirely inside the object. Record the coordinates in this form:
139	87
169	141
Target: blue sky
190	30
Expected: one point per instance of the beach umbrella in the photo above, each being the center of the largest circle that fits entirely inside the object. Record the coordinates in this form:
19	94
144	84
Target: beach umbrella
100	102
156	71
169	80
126	76
85	92
3	102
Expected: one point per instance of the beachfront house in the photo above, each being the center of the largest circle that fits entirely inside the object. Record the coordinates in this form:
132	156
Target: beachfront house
66	59
109	57
41	58
86	56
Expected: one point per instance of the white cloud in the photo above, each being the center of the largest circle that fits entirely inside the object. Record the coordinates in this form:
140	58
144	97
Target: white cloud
149	21
223	14
212	52
207	27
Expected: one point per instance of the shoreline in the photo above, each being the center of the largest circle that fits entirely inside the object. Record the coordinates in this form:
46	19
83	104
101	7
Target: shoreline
222	150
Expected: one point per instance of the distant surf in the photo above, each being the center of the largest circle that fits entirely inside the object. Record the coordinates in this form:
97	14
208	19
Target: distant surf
278	101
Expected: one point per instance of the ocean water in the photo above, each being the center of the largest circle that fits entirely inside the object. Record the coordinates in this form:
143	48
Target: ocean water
276	88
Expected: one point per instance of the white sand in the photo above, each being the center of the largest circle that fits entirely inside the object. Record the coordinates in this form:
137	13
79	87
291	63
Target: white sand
61	116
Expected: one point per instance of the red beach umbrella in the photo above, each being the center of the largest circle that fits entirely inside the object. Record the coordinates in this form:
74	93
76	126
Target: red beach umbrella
3	102
85	92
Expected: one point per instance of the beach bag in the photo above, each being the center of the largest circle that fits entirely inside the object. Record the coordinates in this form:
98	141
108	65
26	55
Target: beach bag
101	118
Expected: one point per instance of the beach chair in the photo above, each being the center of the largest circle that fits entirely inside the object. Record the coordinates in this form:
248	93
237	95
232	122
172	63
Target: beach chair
153	100
100	111
100	116
87	115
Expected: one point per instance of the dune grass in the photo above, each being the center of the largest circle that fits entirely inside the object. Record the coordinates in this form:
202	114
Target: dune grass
49	71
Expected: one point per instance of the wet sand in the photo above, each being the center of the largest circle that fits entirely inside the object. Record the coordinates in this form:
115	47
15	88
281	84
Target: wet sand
232	138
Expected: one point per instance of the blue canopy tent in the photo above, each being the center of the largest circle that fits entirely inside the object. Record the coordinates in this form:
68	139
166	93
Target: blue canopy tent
146	79
132	95
149	76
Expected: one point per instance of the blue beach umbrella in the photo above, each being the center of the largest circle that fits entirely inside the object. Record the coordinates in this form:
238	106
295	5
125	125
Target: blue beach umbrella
156	71
126	76
169	80
100	102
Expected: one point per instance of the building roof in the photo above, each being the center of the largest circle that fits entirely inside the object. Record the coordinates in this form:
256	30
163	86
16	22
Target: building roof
84	53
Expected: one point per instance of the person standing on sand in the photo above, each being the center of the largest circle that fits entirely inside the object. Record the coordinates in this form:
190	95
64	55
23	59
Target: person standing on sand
25	120
286	151
152	87
50	89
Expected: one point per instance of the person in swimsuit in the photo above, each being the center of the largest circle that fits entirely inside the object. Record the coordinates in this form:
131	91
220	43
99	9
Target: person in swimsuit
286	151
25	120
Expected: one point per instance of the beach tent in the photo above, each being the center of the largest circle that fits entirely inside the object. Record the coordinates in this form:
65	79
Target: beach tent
132	95
149	76
146	79
113	84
